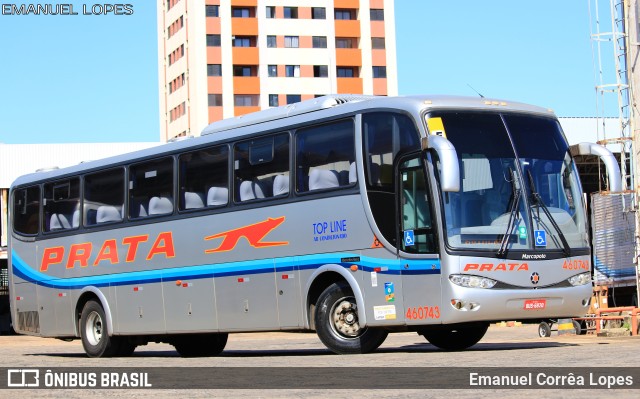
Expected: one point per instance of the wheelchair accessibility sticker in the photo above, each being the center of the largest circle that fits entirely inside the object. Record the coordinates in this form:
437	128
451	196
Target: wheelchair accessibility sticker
540	237
408	238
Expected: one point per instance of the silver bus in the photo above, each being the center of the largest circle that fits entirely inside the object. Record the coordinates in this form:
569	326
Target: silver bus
351	216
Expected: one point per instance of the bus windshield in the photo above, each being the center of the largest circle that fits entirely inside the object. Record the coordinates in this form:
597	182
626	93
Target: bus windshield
519	187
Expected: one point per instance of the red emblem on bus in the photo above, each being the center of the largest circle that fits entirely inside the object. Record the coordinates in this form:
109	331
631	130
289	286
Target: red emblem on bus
253	233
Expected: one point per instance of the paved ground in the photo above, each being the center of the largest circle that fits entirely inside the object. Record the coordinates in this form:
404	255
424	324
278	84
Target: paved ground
502	346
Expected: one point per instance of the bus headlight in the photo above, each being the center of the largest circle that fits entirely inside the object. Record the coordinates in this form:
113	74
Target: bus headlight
465	280
580	279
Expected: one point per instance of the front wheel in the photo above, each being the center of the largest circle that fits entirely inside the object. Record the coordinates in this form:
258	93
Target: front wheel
93	330
455	338
337	323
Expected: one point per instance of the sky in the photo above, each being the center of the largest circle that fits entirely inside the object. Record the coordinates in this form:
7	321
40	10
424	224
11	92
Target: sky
94	78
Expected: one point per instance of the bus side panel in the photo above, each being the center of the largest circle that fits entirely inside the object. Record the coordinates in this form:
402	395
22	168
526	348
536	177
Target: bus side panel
65	324
24	300
140	309
190	305
289	296
55	307
422	299
247	301
46	310
26	318
382	290
110	294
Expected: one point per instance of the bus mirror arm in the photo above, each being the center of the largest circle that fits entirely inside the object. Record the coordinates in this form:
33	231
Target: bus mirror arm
609	160
449	167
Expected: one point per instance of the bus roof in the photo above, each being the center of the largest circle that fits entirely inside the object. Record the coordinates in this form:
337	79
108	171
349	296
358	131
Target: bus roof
331	101
291	115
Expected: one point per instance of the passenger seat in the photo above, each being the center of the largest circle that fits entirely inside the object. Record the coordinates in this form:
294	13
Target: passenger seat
323	178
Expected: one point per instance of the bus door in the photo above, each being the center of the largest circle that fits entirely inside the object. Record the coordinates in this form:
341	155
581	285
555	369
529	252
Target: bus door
417	243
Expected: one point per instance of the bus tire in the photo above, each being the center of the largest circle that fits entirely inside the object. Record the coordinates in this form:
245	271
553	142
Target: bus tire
200	345
93	331
455	338
336	321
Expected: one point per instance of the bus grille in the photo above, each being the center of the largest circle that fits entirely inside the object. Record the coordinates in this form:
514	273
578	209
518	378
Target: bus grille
29	321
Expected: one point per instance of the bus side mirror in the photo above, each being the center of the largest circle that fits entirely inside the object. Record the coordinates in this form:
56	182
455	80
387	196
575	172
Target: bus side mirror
449	168
609	160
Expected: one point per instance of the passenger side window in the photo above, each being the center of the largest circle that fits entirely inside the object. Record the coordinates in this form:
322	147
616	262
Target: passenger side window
325	157
151	188
204	178
103	197
386	136
261	168
26	210
61	205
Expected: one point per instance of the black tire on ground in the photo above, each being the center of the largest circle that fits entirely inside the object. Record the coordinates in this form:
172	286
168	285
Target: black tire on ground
457	337
337	325
200	345
93	330
580	326
544	329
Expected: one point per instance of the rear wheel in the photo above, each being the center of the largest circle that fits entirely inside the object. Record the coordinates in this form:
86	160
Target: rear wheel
455	338
337	323
93	330
200	345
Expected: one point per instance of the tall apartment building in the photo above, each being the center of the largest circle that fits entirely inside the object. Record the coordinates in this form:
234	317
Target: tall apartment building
225	58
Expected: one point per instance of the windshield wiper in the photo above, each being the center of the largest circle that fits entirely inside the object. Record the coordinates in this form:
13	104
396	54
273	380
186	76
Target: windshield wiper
513	211
537	199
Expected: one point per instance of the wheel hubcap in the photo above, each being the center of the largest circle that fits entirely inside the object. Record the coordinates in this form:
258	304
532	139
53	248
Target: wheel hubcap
94	328
344	318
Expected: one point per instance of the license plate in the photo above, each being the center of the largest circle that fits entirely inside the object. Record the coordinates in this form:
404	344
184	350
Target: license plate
535	304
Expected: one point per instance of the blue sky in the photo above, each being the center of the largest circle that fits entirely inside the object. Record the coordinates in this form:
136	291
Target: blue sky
94	78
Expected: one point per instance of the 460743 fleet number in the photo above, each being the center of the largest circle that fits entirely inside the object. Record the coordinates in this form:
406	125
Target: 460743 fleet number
422	312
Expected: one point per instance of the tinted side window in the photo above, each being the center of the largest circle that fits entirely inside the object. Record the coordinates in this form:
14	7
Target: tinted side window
325	156
151	188
61	205
261	168
26	210
204	178
103	197
386	135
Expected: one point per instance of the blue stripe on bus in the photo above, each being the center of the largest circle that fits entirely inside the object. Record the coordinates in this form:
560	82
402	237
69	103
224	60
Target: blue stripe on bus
397	267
